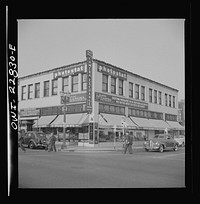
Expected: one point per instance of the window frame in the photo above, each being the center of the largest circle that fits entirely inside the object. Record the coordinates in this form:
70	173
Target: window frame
150	95
83	82
74	84
37	90
121	87
137	91
65	85
23	93
30	92
130	90
46	88
104	84
143	93
54	87
155	96
113	86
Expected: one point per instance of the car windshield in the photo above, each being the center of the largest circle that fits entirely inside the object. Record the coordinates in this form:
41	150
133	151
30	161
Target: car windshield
40	134
159	136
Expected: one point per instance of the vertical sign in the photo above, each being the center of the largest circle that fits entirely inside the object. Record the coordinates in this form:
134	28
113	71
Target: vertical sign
89	56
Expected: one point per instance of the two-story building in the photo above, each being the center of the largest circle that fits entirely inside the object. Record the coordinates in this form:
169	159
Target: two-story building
104	99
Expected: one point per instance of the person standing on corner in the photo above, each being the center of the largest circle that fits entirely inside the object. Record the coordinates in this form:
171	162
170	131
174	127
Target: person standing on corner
128	143
52	142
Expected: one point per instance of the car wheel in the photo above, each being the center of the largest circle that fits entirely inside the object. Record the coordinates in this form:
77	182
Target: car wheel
161	149
31	145
176	147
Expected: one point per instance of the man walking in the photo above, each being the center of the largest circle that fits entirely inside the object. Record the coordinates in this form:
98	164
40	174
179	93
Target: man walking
128	143
52	142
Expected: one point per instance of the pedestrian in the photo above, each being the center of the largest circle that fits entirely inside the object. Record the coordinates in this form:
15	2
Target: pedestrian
21	139
128	143
52	142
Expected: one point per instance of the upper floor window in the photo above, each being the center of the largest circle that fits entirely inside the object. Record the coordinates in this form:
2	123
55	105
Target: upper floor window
136	91
75	83
130	90
155	96
30	91
37	90
142	93
23	93
165	99
54	87
113	85
121	87
65	84
160	97
105	83
46	88
150	95
170	100
173	101
84	82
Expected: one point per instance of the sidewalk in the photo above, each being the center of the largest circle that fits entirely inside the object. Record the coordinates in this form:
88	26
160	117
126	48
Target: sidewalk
101	147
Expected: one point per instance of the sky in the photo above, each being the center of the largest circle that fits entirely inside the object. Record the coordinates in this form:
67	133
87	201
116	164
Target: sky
152	48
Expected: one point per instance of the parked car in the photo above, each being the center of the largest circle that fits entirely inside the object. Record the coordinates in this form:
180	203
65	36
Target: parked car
180	139
35	140
161	142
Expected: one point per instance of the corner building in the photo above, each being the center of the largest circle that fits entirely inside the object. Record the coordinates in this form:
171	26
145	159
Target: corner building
104	102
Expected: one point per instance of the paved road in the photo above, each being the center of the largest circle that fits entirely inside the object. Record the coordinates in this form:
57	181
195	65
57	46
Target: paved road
40	169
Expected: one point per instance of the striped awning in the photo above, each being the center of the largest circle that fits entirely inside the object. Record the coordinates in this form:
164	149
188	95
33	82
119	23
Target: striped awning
44	121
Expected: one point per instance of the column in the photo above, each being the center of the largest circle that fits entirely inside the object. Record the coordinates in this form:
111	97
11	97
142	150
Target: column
79	82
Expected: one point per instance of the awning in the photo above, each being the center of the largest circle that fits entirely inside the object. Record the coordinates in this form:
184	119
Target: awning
110	120
175	125
45	121
29	118
159	124
72	120
143	123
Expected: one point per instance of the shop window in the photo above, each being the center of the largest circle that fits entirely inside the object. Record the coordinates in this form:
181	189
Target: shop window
136	91
54	87
105	83
120	87
75	83
84	82
46	88
113	85
130	90
23	93
30	91
37	90
65	84
150	95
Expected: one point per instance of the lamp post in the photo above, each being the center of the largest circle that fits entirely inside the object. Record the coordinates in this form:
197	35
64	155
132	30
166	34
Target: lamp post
64	100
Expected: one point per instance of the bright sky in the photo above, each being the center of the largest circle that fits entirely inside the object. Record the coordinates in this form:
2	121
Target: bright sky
153	48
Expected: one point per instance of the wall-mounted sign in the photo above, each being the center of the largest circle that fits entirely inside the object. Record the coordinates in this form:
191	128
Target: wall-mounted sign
29	112
111	71
69	71
75	98
89	56
120	101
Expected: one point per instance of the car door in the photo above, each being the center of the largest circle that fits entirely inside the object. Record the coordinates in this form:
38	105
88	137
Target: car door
169	142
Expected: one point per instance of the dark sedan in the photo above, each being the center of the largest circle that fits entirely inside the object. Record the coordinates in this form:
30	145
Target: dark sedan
161	142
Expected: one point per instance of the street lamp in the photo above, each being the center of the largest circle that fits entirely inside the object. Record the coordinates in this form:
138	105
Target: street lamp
64	100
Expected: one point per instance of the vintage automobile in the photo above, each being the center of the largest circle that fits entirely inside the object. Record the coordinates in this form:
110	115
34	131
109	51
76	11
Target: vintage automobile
180	139
34	140
161	142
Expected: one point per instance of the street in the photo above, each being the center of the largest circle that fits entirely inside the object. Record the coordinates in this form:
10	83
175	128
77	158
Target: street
41	169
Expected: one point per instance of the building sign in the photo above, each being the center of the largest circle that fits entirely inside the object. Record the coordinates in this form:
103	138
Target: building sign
75	98
69	71
89	56
112	71
29	112
120	101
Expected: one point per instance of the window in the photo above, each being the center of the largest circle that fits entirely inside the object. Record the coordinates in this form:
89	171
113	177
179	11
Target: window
37	90
165	99
75	83
54	87
113	85
105	83
170	100
23	93
130	90
173	101
136	91
84	82
65	84
142	93
150	95
160	97
46	88
30	91
120	87
155	96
